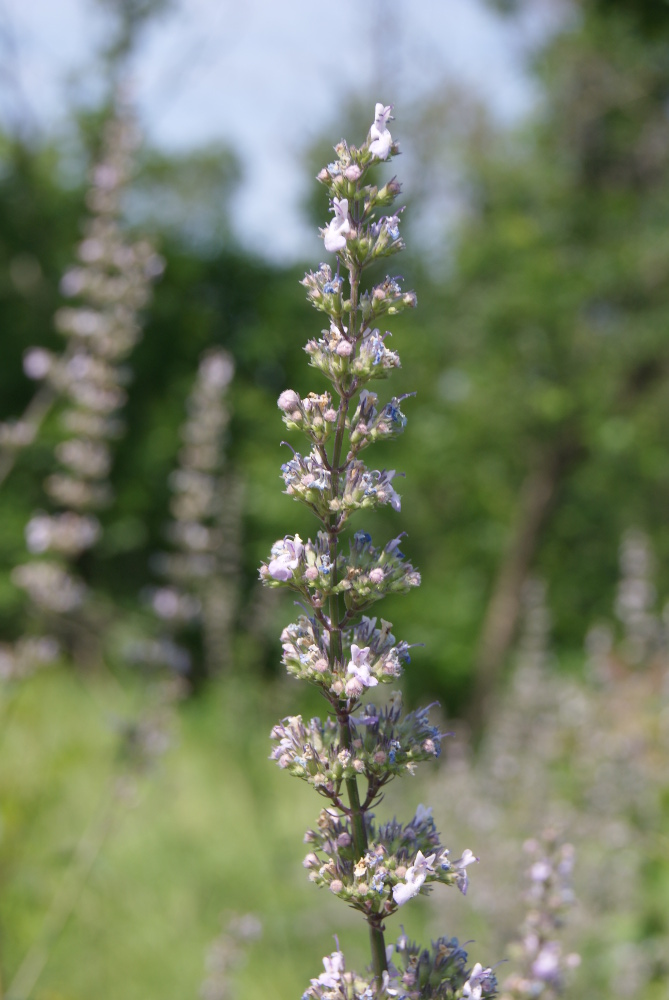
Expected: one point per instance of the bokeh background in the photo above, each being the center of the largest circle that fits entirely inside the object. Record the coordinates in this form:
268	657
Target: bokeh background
535	173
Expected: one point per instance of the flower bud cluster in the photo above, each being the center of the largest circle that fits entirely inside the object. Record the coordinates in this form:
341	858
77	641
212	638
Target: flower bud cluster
27	655
413	973
314	415
334	354
369	425
400	862
539	956
369	655
441	971
363	576
336	983
309	480
49	586
384	745
67	533
16	434
386	298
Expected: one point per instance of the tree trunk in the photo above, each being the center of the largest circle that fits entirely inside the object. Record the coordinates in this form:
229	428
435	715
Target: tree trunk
503	611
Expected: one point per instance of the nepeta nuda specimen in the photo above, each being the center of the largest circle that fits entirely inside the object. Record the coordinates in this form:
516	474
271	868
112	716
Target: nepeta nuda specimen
199	570
109	286
374	867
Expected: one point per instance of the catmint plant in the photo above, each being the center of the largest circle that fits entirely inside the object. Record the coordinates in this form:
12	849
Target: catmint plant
108	287
199	571
538	954
350	756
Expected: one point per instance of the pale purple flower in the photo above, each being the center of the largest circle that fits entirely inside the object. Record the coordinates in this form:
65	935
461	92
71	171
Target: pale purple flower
404	891
359	667
422	863
392	224
286	558
379	134
37	363
473	988
460	866
540	871
394	499
334	966
468	858
546	965
414	878
423	813
339	227
389	984
217	370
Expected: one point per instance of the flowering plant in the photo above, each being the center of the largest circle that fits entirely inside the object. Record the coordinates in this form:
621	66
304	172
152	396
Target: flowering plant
375	867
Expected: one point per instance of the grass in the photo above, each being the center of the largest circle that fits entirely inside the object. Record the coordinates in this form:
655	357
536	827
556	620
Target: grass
214	829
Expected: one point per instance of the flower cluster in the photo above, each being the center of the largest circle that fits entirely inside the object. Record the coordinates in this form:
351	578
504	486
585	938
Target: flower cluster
199	567
384	745
110	285
363	575
226	953
335	645
539	954
374	655
399	863
412	973
25	656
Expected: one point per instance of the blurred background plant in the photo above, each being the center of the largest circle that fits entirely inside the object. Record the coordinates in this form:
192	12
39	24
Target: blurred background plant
539	436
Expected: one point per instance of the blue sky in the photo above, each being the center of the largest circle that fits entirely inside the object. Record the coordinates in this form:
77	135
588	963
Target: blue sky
266	77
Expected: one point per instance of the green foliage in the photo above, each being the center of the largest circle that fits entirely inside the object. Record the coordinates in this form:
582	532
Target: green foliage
543	338
191	844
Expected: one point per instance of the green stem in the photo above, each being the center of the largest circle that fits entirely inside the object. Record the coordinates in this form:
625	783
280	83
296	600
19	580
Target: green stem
356	812
358	829
378	946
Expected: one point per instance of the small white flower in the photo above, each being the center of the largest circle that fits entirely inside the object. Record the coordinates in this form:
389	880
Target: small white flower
467	858
335	234
394	499
473	988
334	966
386	987
379	134
423	864
37	363
540	871
404	891
359	667
460	866
414	878
546	965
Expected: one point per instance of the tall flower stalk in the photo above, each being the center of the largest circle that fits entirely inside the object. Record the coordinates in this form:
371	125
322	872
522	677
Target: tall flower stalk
200	569
108	287
352	755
